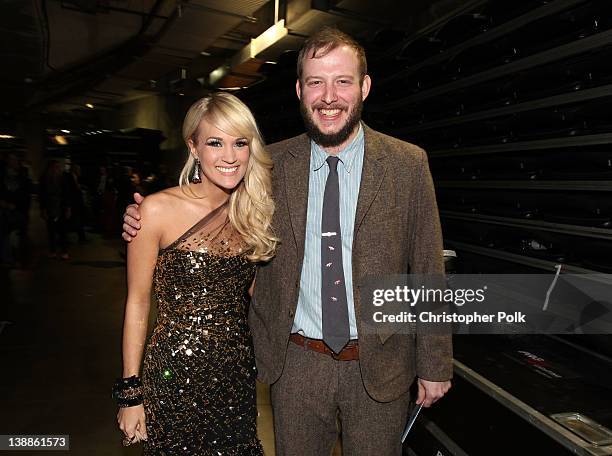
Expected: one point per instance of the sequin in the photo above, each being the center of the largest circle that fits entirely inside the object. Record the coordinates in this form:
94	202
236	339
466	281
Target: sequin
203	403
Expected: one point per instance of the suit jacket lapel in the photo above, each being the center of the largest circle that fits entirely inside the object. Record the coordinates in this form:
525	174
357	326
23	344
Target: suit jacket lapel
297	170
372	174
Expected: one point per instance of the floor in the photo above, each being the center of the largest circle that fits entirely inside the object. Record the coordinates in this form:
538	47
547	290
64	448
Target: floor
60	334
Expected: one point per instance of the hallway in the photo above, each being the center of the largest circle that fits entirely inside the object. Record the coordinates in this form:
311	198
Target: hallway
60	333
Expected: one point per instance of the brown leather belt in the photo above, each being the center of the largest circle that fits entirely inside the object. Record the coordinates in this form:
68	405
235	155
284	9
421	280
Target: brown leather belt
350	352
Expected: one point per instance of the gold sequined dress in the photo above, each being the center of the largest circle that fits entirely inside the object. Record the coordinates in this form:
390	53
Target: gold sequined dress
199	369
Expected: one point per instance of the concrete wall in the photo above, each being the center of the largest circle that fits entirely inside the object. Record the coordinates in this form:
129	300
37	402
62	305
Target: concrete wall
157	112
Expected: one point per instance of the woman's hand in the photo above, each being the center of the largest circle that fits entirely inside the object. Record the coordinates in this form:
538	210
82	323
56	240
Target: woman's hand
132	423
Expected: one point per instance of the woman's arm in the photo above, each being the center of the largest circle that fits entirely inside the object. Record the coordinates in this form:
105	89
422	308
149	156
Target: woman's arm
142	256
141	259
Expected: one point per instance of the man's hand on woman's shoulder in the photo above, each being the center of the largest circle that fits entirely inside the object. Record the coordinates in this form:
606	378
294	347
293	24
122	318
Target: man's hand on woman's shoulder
131	219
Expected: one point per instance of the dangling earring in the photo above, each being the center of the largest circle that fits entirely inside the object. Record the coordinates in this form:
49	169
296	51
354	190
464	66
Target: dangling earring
196	172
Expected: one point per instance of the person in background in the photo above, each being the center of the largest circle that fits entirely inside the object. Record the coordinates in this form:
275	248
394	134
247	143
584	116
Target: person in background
15	196
55	208
101	186
76	201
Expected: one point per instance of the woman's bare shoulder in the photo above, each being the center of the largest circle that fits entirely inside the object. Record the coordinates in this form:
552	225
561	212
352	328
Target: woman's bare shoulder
167	200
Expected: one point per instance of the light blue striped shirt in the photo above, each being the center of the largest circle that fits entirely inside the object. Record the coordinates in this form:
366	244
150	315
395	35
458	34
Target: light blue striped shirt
308	314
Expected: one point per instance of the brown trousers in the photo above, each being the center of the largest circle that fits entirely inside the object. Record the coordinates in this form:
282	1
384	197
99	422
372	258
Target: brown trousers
313	391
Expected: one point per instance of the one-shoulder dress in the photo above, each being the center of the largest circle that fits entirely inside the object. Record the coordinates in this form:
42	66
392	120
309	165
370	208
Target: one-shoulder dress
199	368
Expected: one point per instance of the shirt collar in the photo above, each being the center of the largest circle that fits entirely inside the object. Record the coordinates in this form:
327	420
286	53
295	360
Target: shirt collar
346	155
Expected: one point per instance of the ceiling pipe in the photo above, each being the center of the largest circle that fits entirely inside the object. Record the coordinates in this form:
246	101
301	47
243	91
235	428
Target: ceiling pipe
276	10
114	9
196	6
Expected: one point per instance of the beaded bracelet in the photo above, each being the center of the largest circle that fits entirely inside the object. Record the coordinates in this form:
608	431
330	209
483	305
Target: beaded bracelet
128	391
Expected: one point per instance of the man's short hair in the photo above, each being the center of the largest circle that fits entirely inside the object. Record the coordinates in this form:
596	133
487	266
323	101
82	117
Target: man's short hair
326	40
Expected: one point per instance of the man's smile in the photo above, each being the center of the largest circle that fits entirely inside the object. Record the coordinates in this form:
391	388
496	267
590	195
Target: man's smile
330	114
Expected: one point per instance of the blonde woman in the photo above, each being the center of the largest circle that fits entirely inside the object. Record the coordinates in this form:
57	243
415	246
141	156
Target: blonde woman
198	249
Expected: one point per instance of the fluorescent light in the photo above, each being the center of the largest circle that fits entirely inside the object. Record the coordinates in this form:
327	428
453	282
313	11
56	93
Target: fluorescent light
89	105
65	131
268	38
250	51
205	54
6	137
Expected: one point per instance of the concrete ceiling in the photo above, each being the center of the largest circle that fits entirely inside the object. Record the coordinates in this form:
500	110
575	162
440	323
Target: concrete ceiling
60	55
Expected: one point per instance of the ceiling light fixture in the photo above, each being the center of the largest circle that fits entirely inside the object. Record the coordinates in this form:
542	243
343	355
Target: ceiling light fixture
268	38
89	105
257	45
60	140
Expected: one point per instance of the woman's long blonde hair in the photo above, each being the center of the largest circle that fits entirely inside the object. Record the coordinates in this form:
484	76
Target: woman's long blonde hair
251	205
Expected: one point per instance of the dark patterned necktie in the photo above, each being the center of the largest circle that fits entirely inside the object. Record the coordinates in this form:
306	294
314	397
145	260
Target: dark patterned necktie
333	290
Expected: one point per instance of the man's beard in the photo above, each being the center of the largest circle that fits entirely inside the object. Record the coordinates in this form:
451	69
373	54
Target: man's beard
333	139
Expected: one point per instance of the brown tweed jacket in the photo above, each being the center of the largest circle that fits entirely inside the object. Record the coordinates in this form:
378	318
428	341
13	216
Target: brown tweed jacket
397	230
